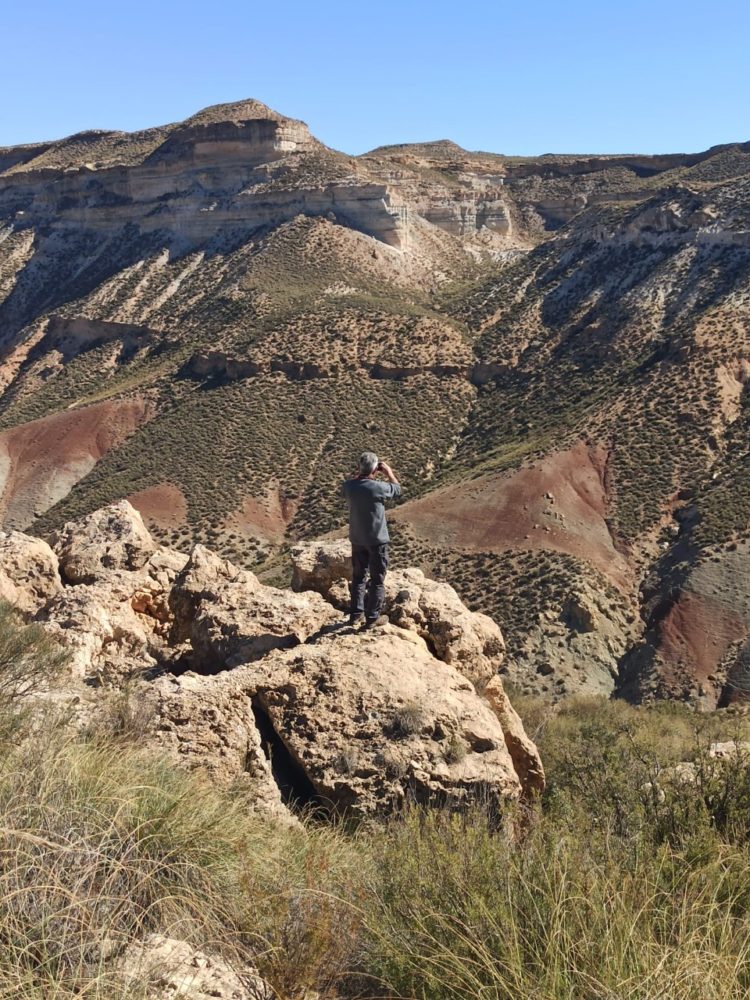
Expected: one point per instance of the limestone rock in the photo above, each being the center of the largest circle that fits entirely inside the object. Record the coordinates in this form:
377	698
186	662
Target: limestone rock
361	723
29	572
209	726
113	628
114	537
471	641
375	720
173	968
230	617
322	566
202	577
522	750
284	698
165	565
119	625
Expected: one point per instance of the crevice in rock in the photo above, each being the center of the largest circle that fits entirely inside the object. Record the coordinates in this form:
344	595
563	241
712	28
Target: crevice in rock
297	791
430	643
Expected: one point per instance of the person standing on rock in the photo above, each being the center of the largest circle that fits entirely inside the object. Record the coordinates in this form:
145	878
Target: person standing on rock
368	533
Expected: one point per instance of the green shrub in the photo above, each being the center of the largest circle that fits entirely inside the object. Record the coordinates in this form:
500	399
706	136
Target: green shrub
30	663
464	913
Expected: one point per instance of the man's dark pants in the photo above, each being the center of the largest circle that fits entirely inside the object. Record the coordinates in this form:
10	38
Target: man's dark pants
372	559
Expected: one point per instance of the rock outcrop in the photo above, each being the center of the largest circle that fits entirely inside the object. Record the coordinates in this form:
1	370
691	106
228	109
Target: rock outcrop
29	571
325	567
112	538
205	724
101	591
170	967
471	641
355	723
229	617
207	174
271	689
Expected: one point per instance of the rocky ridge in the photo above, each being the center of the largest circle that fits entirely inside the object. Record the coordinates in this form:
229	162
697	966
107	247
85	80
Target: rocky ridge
270	688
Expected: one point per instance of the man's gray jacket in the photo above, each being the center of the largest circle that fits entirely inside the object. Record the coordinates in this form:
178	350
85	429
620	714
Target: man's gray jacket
366	498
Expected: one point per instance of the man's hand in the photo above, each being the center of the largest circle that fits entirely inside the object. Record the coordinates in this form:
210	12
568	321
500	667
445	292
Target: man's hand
387	471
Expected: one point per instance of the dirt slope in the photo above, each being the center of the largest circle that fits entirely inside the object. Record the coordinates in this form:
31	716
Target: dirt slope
42	460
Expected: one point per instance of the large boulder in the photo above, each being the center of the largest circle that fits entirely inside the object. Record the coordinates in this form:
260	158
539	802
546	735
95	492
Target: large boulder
207	725
229	617
118	626
471	641
29	571
112	538
323	566
358	723
374	720
204	577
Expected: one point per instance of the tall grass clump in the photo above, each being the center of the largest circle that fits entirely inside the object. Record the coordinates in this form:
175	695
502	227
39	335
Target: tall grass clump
463	913
103	844
98	848
631	882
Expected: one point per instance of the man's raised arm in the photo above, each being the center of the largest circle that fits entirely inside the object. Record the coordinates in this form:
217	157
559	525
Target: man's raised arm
387	471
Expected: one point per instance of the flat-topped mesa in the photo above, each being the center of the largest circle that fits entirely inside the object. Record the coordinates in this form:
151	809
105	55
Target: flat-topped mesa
240	166
248	132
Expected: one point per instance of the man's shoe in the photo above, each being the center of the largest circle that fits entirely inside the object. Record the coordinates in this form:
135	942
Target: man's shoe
355	619
372	622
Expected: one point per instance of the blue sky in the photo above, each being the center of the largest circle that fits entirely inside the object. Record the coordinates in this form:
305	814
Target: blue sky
517	78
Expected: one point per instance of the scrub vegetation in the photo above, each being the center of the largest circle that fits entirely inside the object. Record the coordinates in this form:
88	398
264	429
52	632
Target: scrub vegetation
628	879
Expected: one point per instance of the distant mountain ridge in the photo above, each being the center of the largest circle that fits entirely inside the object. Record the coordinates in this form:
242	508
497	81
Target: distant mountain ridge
212	317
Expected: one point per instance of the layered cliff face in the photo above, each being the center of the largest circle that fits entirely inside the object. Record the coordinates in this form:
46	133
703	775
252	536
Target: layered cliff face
246	169
212	318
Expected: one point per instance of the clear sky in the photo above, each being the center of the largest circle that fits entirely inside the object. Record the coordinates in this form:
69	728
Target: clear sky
520	78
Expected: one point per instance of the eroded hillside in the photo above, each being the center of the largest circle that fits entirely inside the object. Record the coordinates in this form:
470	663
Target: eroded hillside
212	318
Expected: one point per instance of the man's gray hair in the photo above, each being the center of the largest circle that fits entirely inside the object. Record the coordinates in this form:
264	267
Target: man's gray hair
368	462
